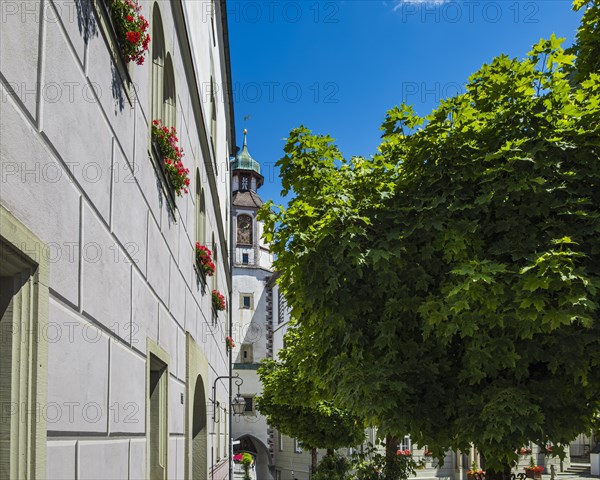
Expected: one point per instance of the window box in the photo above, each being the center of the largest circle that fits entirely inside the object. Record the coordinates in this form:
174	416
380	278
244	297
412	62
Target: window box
130	28
534	472
163	177
204	261
107	27
218	301
168	155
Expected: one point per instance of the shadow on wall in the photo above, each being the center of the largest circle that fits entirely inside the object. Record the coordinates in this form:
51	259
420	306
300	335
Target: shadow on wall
85	20
88	28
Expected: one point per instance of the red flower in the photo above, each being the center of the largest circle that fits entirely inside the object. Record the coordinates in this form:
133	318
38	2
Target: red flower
129	18
171	154
133	37
218	300
204	260
536	469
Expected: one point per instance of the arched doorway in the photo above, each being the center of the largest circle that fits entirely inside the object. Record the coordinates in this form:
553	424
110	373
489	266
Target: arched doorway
253	445
199	433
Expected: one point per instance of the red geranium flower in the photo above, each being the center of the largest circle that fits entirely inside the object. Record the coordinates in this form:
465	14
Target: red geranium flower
132	37
171	155
130	27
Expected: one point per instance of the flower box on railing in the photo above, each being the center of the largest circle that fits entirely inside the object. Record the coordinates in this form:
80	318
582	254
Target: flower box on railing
204	261
229	342
130	28
534	472
218	301
165	142
476	475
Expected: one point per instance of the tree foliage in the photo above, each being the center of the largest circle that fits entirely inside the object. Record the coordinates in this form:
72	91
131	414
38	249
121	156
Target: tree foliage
447	287
377	462
332	467
288	407
587	47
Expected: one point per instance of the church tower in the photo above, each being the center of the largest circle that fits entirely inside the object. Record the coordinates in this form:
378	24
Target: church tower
252	270
246	179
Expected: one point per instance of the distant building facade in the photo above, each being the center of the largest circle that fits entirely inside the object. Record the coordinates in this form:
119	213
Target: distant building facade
250	306
110	342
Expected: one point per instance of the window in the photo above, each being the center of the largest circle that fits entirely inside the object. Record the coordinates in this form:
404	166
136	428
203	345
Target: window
156	411
169	115
245	259
23	305
212	21
277	474
280	441
249	404
246	353
200	211
158	63
213	118
297	447
163	98
244	229
215	256
247	300
406	443
281	307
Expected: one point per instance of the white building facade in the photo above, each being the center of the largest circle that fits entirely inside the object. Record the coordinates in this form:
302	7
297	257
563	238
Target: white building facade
110	342
250	306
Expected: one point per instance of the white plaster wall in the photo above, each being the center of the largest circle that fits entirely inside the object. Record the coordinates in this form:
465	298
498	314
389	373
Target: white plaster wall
76	171
250	325
253	424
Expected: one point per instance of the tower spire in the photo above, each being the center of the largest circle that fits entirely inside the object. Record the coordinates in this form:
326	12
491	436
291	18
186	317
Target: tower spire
245	167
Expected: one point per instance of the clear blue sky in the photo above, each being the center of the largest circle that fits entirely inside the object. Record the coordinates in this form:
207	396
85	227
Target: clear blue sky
337	66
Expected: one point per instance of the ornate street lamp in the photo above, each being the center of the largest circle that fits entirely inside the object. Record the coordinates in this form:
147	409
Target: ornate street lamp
238	404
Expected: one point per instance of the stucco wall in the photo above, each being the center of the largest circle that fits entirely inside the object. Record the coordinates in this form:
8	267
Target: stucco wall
76	171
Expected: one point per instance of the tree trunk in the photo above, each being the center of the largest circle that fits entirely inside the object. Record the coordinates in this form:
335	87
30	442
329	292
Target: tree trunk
505	474
391	447
330	452
313	459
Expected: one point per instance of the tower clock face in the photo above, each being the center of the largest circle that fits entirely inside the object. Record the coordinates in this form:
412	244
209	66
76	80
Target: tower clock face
244	229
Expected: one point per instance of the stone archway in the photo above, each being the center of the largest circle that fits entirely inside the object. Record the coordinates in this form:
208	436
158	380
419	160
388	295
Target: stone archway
199	433
251	444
